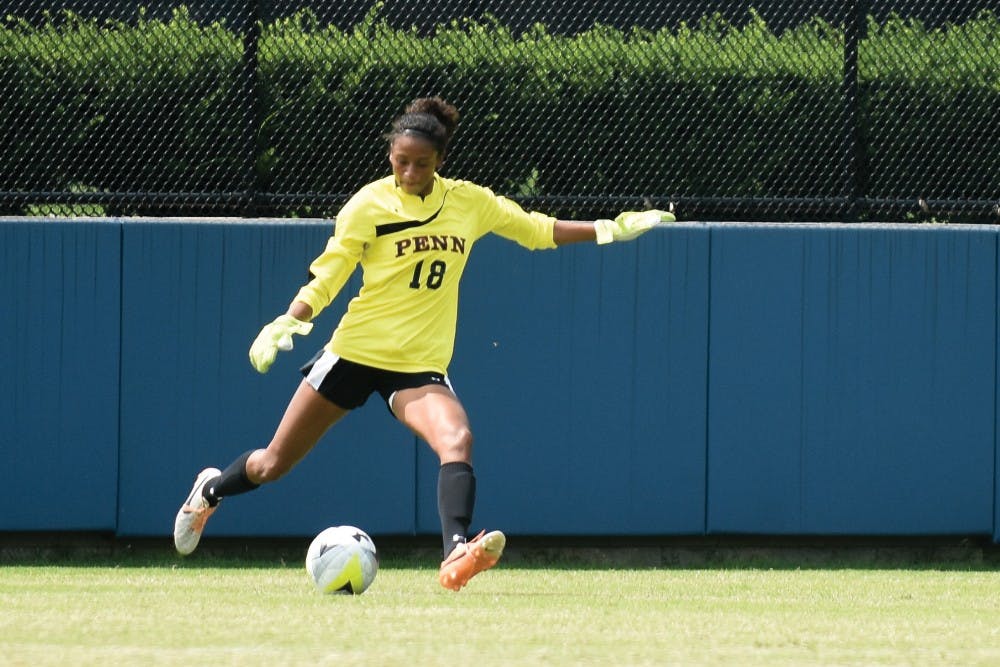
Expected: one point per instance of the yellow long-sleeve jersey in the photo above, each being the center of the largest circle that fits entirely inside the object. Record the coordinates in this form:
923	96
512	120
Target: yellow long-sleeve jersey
412	251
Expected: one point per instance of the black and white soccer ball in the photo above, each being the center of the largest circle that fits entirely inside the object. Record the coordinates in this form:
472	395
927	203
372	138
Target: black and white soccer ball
342	560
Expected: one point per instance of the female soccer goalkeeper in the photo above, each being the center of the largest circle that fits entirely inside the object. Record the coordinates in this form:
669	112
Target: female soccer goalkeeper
412	232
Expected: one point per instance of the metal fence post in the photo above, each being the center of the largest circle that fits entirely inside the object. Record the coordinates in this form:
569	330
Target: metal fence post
251	100
853	150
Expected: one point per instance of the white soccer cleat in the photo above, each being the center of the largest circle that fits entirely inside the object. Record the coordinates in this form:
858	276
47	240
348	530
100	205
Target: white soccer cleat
191	518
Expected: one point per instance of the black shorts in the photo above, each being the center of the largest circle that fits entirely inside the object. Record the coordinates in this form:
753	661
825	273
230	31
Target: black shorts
348	384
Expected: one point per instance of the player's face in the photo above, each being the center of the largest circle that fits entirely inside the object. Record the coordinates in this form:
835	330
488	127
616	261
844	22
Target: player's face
414	161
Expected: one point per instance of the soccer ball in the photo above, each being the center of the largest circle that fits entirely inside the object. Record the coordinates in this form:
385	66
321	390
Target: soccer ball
342	560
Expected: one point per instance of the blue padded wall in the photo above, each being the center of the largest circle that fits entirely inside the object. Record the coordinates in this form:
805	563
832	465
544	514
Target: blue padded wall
852	380
722	378
583	372
996	407
195	296
59	320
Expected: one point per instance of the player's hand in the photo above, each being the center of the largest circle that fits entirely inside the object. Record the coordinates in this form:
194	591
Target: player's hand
629	225
275	336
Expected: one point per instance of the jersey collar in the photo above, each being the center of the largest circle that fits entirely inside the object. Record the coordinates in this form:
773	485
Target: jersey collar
418	203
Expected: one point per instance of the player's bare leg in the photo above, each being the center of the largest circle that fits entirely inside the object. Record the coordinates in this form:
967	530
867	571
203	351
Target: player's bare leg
309	415
436	415
306	419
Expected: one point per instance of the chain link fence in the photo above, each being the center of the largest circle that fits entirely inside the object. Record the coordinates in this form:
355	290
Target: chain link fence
839	110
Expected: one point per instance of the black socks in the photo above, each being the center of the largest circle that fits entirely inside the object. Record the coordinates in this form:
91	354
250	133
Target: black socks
456	498
231	482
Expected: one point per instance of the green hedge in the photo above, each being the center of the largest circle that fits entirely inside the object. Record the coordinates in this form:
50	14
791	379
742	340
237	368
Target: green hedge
123	108
708	110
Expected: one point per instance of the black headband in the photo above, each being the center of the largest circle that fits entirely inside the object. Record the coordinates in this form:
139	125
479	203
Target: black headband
423	134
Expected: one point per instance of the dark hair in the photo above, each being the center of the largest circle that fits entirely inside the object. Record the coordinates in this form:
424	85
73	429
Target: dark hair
429	118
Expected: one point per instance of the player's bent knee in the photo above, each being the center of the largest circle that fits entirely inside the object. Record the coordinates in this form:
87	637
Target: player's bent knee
455	446
268	468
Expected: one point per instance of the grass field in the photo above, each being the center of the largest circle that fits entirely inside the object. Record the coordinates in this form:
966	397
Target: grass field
573	609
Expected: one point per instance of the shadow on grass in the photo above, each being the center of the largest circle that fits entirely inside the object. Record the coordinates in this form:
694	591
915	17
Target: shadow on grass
526	552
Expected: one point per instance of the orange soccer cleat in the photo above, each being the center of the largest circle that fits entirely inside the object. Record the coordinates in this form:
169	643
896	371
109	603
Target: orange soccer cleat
470	558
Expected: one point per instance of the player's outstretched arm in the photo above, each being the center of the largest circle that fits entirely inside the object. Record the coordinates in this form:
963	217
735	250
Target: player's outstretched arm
625	227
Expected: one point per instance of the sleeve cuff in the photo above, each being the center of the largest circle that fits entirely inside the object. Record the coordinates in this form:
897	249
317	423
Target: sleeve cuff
603	231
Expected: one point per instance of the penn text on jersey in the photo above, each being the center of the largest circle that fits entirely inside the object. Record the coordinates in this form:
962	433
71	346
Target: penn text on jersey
444	242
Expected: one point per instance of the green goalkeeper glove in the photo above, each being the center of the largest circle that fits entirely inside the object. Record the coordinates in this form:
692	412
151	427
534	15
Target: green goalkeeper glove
629	225
275	336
